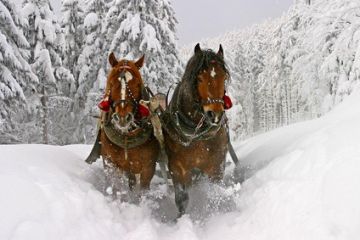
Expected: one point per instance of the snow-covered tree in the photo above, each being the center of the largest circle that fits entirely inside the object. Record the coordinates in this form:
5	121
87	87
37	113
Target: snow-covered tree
15	72
137	27
92	76
44	35
72	26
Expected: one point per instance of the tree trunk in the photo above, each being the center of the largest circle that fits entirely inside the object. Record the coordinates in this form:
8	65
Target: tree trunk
45	136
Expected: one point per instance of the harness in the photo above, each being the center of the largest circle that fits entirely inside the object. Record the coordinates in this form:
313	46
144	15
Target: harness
183	129
129	140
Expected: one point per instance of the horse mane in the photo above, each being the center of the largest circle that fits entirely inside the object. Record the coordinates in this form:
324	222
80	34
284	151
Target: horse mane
198	62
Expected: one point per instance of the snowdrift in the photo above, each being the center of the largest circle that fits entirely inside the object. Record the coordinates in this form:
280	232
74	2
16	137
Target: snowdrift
303	182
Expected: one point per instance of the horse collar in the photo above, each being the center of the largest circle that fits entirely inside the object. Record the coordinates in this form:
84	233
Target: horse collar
128	141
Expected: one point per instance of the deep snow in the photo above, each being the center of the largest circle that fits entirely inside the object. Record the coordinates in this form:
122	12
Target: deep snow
303	182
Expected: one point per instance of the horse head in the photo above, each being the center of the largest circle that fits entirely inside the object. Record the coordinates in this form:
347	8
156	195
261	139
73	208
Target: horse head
125	89
211	79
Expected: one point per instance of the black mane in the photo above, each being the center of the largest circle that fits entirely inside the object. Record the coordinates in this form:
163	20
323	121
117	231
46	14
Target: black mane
198	62
201	61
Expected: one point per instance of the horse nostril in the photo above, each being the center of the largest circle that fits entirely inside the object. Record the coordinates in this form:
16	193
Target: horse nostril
214	117
129	117
210	114
115	116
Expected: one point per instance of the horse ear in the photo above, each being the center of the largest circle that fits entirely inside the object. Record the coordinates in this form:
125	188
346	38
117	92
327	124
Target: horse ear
112	59
197	48
220	52
139	63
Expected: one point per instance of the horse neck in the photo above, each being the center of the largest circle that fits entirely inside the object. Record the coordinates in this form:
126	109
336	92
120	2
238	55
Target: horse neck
184	102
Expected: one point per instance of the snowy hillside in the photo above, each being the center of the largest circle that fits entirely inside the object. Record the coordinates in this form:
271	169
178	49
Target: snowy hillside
303	183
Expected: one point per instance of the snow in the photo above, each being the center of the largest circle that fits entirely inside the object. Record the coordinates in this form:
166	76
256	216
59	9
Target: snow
303	182
91	20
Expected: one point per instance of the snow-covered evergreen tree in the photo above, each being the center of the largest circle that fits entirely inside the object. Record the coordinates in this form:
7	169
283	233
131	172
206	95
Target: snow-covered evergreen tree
72	26
92	76
137	27
44	35
15	73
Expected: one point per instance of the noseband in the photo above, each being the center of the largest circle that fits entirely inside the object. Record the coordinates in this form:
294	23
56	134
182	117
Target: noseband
212	101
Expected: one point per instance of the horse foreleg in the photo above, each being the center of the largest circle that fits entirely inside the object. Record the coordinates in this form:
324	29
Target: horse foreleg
181	198
146	176
216	174
132	181
112	178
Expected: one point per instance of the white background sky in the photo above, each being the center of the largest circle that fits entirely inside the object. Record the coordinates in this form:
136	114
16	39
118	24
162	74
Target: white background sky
199	19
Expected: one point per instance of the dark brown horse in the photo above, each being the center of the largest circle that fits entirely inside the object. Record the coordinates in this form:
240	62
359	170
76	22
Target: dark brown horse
126	134
194	123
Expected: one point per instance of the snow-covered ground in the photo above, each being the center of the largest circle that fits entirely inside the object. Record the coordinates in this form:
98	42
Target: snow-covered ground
303	182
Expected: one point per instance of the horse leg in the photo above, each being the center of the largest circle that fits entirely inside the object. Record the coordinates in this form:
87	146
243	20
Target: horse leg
112	176
146	175
181	178
132	181
163	161
197	175
181	198
216	174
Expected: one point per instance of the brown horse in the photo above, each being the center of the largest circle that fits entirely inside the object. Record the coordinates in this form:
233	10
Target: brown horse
126	135
194	123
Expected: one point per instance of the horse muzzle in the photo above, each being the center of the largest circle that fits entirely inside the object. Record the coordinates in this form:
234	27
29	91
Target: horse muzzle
124	123
214	117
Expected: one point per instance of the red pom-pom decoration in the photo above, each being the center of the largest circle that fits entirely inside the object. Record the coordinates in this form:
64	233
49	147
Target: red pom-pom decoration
227	102
143	111
104	105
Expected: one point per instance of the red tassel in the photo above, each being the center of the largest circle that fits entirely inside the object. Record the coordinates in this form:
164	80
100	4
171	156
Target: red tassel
227	102
143	111
104	105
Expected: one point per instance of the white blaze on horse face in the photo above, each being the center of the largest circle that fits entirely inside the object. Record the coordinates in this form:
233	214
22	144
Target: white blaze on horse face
128	77
213	73
122	91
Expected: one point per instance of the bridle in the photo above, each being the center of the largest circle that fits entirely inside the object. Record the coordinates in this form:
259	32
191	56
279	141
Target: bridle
129	93
135	122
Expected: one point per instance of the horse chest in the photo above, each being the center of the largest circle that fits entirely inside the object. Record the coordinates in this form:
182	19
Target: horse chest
198	153
131	160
